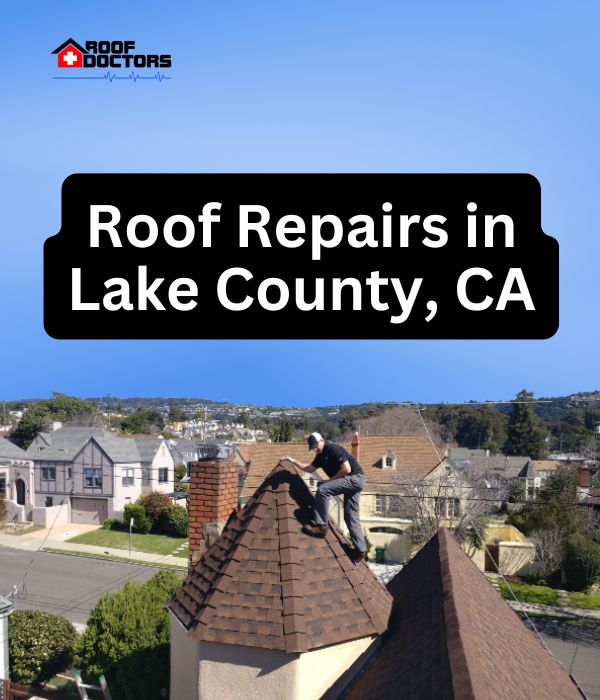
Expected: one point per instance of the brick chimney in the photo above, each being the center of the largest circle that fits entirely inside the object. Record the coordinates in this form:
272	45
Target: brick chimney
583	481
355	444
213	496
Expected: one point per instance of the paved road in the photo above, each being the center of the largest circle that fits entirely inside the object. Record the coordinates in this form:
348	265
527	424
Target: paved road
64	585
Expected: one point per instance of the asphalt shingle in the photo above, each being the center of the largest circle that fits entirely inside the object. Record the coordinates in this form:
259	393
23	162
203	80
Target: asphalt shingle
266	584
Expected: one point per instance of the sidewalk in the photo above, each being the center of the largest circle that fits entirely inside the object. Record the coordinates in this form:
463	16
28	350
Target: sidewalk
55	539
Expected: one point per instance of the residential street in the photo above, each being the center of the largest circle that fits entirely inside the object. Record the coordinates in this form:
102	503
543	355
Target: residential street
64	585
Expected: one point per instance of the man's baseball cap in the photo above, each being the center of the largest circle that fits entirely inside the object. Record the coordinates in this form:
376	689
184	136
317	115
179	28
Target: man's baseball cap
313	440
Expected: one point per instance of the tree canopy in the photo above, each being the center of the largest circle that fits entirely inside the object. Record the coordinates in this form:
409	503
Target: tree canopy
69	410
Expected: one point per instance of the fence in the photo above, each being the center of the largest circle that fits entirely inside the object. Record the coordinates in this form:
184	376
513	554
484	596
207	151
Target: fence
9	690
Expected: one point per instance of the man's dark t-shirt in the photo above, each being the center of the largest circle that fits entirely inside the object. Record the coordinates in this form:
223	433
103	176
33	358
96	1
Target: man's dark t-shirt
332	458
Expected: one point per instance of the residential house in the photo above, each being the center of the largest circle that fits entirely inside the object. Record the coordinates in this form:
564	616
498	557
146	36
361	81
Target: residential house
96	474
268	612
16	480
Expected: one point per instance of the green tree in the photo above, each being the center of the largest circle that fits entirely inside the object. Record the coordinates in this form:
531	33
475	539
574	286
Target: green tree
40	645
155	504
144	420
524	437
581	562
281	432
176	414
69	410
127	639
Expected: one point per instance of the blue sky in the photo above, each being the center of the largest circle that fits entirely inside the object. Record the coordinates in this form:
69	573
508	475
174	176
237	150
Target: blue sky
305	87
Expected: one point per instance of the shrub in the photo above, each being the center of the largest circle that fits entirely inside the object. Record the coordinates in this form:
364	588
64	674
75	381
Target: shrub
155	504
141	522
581	562
112	524
127	639
174	521
180	471
2	509
39	645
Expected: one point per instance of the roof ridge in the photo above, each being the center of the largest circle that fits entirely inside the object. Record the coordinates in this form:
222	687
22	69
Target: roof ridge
462	682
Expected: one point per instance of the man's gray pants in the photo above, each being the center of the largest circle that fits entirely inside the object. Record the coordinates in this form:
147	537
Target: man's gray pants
350	487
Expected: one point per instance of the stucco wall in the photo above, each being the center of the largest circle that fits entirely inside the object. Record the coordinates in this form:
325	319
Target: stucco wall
319	669
124	494
52	516
209	671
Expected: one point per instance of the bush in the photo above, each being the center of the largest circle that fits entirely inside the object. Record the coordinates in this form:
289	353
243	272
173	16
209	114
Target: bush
581	562
127	639
155	504
39	645
180	471
141	522
112	524
2	509
174	521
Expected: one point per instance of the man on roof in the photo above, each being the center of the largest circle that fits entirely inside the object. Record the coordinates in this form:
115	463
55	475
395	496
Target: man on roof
346	478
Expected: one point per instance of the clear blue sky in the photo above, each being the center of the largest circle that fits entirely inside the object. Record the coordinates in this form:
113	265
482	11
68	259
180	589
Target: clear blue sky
305	87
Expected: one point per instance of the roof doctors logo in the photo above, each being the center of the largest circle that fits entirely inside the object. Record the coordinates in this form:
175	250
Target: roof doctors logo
110	56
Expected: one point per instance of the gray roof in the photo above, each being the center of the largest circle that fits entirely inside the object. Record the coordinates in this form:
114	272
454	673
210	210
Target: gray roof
147	447
119	449
64	443
183	451
528	472
8	450
476	466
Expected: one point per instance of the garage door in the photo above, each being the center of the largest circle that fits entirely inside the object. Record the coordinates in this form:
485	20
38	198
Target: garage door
89	511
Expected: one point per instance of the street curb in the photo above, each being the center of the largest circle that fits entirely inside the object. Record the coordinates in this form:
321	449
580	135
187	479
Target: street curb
108	557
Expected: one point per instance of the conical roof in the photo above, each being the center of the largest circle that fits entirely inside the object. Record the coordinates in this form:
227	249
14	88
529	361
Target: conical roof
264	583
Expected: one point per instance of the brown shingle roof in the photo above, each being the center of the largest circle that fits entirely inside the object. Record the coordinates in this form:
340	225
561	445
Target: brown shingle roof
415	457
452	637
266	584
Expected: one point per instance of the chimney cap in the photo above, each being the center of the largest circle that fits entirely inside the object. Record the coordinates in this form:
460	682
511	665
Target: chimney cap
213	451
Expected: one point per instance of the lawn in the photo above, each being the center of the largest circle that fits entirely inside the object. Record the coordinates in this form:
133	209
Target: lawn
530	594
589	602
155	544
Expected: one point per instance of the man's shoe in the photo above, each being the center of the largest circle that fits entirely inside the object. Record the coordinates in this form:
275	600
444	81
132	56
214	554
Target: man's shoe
314	530
356	555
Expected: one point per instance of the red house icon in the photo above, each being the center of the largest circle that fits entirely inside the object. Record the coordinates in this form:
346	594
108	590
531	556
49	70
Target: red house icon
70	54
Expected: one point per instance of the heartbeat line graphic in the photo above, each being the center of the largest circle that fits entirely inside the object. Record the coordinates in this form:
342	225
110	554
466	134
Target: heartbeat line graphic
133	76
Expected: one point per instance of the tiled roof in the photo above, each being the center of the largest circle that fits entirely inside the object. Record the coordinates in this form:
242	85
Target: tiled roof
546	465
266	584
8	450
415	457
452	637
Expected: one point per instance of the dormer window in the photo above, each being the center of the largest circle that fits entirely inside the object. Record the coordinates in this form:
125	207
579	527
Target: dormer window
388	460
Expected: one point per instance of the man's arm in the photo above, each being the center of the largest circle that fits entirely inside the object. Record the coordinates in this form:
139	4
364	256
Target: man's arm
310	468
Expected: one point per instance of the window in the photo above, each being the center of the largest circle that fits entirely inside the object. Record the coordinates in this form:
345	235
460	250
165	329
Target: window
387	504
447	507
146	476
49	473
394	504
128	476
163	475
69	472
389	461
48	502
92	478
2	485
453	507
